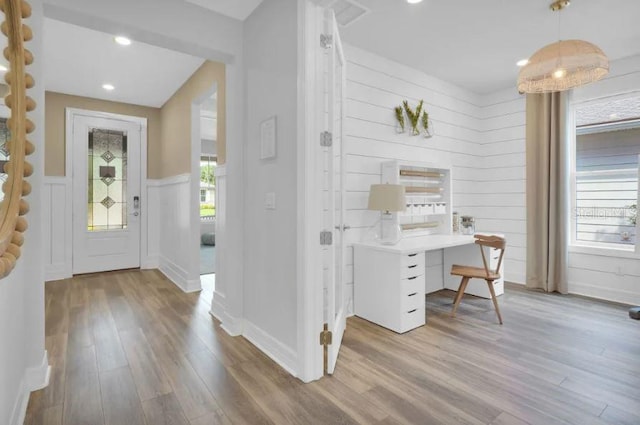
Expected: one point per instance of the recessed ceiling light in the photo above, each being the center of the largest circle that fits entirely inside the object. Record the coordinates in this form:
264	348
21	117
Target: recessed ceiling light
413	1
522	62
108	87
613	116
3	68
123	41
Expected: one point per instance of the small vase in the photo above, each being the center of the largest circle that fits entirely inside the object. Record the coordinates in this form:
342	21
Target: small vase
399	129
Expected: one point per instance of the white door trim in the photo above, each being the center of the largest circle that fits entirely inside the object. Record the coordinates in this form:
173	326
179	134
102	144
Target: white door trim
70	114
310	292
196	151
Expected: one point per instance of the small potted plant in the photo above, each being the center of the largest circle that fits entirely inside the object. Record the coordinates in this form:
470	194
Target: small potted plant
400	118
427	125
414	116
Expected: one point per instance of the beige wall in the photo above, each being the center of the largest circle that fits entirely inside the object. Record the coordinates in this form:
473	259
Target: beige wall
176	120
55	104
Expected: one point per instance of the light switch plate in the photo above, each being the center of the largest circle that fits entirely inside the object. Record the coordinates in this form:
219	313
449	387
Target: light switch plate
270	201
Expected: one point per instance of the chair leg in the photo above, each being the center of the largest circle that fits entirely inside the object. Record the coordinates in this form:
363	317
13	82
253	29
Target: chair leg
459	295
494	299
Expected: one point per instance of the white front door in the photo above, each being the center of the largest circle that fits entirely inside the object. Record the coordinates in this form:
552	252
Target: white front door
106	194
336	315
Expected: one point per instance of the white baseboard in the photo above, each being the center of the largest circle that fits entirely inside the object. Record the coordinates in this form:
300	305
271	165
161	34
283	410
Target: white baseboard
57	272
178	276
518	278
151	262
218	309
231	325
35	378
605	292
273	348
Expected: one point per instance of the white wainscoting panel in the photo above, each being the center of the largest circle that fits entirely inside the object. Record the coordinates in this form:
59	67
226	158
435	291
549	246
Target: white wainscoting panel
57	236
175	230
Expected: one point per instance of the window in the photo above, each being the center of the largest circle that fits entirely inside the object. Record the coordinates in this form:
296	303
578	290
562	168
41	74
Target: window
606	174
207	186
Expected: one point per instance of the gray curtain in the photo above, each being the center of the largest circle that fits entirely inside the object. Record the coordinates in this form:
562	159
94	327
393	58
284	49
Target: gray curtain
547	144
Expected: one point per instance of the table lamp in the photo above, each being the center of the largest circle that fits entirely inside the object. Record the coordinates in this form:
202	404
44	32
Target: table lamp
387	198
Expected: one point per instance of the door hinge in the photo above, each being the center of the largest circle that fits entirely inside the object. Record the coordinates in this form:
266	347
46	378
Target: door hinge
326	139
326	337
326	237
326	41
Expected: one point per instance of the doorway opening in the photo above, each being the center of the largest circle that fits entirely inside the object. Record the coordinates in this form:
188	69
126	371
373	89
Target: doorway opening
207	191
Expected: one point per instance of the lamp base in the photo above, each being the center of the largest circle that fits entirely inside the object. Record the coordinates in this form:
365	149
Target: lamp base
386	231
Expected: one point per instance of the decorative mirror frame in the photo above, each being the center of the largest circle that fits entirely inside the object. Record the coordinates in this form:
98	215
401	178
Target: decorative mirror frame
13	208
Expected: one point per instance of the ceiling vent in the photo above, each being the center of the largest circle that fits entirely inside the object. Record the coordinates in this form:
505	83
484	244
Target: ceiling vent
347	11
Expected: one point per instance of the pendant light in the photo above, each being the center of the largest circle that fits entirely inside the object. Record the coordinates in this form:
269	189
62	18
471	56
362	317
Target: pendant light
563	65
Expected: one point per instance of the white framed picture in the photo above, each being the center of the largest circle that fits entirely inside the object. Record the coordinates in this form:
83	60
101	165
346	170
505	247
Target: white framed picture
268	138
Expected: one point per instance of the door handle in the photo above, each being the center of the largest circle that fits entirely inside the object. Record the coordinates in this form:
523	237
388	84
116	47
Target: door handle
344	227
136	206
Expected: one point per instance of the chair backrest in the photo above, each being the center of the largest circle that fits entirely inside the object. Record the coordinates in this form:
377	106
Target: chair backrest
491	241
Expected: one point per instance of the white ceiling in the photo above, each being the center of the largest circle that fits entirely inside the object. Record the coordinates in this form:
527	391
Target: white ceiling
475	44
238	9
79	61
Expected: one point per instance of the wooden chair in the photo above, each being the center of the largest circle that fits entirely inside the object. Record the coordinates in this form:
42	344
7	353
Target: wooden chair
467	272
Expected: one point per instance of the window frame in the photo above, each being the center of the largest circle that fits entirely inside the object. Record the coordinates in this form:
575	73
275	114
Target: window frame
597	248
209	158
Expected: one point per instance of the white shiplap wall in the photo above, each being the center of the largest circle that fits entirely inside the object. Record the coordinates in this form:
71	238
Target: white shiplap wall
374	86
502	186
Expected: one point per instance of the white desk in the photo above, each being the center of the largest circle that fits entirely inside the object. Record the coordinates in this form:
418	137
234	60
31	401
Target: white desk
389	280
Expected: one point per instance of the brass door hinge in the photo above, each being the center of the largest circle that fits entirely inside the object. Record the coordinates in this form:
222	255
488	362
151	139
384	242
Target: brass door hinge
326	337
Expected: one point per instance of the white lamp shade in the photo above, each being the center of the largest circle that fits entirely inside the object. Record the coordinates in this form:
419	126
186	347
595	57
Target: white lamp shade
561	66
387	197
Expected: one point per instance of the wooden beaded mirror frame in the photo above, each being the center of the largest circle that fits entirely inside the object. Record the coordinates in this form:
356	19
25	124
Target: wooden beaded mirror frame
13	208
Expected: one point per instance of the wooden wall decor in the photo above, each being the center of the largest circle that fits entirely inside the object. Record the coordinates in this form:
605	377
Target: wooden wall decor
13	207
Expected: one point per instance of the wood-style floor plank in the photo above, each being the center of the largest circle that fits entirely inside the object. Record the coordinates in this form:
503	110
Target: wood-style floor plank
130	348
150	379
119	398
164	410
82	402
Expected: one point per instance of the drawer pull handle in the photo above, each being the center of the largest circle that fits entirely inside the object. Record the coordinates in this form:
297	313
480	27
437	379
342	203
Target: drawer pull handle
413	267
411	278
413	295
413	311
412	255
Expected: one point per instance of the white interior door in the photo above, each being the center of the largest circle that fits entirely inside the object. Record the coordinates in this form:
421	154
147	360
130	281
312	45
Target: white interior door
106	194
335	84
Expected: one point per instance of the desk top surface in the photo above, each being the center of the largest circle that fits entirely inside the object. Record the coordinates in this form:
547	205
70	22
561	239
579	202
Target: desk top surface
420	243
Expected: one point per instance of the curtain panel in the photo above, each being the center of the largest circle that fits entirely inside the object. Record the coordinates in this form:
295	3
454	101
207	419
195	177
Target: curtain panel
548	134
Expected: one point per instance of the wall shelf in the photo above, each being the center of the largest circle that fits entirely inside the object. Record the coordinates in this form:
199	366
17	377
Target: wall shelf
428	196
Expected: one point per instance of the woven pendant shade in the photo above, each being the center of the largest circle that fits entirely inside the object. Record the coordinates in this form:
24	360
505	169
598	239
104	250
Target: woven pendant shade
561	66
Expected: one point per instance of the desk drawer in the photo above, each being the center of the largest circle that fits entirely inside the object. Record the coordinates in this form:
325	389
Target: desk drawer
411	285
412	301
412	319
412	265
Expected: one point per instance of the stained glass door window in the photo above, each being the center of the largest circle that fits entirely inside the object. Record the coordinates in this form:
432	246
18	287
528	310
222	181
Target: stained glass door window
107	197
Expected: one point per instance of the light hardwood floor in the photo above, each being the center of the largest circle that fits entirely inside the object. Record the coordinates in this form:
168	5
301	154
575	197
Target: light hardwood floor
129	348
